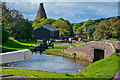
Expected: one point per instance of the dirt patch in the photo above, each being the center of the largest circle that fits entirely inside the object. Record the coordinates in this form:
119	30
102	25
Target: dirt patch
15	77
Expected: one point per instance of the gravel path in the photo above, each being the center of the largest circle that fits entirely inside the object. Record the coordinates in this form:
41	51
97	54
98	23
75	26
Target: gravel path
15	77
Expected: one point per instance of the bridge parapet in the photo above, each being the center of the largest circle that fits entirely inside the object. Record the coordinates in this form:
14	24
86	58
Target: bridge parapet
15	56
88	49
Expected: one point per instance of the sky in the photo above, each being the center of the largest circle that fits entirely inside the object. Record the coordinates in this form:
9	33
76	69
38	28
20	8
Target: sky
75	12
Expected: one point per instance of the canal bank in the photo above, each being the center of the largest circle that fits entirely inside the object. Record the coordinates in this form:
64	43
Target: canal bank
102	69
82	58
51	63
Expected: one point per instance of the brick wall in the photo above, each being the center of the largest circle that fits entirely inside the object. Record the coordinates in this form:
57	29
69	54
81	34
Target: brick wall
87	49
116	43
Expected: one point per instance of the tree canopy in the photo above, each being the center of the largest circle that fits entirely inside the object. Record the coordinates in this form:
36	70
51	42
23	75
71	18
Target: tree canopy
91	30
76	28
89	23
64	26
108	29
14	23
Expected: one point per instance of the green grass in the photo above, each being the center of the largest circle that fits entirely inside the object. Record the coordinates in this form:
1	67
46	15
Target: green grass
105	68
11	45
58	51
115	39
34	73
75	44
58	42
28	42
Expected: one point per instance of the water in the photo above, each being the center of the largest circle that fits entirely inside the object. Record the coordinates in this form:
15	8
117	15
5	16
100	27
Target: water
51	63
64	44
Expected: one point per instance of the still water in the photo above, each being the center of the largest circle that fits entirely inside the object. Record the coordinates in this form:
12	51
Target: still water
52	63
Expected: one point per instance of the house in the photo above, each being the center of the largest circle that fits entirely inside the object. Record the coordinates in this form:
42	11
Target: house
82	36
46	32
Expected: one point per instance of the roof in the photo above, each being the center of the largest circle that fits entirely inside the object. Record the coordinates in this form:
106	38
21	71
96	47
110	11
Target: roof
49	27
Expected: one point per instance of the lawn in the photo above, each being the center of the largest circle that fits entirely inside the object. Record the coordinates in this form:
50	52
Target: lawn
104	69
12	45
58	51
34	73
58	42
75	44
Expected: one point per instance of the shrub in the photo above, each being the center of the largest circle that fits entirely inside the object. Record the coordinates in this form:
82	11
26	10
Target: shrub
74	54
68	74
4	35
74	41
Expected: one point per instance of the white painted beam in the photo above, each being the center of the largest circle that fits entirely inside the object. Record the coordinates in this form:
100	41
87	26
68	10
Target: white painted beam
15	56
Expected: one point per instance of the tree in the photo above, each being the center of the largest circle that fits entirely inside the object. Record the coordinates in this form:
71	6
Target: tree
115	29
75	27
42	21
91	30
4	35
108	29
80	30
70	27
102	31
74	54
89	23
23	30
5	21
14	23
113	19
16	18
61	19
64	26
5	13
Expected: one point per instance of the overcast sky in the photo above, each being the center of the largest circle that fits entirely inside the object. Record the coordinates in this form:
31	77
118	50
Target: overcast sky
75	12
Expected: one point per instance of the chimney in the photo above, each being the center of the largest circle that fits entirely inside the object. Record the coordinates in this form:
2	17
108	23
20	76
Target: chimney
41	12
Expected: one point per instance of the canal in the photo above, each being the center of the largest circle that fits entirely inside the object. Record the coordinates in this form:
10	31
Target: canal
51	63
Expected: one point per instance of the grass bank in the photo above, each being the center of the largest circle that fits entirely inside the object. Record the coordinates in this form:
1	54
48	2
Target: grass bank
13	45
58	51
104	69
61	53
59	42
78	43
34	73
66	46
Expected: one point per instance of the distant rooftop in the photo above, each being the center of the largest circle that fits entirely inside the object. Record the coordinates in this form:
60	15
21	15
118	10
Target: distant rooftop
49	27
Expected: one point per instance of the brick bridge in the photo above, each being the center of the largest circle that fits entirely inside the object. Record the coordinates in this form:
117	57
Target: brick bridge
95	50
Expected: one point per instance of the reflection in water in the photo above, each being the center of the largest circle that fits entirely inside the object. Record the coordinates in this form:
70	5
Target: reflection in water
50	63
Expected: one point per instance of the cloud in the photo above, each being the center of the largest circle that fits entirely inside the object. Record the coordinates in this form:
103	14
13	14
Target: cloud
73	11
78	11
24	7
30	16
61	0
